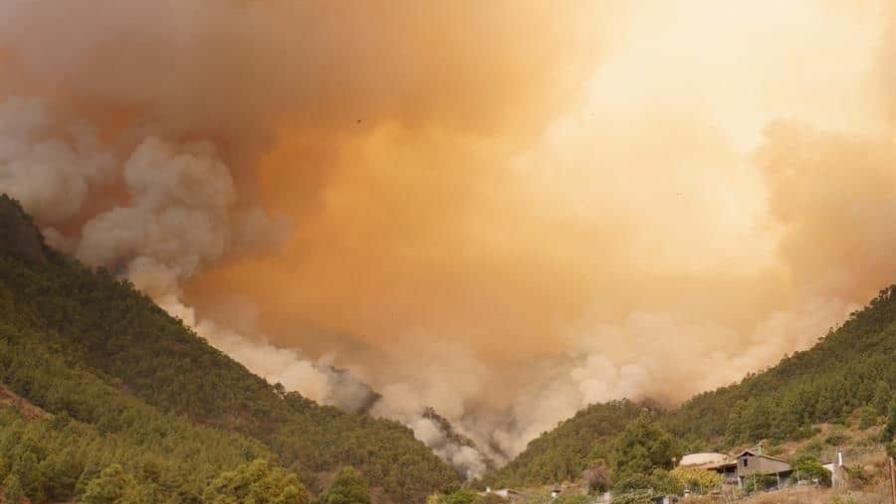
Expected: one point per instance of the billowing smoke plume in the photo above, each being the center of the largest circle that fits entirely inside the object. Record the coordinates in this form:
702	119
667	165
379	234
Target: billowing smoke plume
188	98
50	167
503	210
179	217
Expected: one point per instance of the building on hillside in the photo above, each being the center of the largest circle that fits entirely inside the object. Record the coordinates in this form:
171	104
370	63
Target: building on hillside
746	464
728	470
750	463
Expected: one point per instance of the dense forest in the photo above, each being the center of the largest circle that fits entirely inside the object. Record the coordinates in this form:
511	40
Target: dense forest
106	398
126	404
849	374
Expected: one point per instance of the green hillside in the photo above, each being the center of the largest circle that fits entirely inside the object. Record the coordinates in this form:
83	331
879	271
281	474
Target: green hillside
851	368
127	387
849	373
565	452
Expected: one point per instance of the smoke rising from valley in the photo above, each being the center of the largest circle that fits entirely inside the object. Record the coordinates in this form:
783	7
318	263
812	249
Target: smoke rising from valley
504	211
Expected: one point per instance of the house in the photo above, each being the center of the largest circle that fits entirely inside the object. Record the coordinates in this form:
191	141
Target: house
728	470
750	463
746	464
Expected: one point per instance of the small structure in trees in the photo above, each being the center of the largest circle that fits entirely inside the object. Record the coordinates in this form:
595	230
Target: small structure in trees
747	466
751	464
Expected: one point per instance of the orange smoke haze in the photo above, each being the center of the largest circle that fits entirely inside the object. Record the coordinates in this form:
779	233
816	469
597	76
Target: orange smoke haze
505	210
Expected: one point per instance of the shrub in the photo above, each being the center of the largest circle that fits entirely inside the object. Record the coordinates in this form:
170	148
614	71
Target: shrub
759	482
810	468
858	475
636	497
462	496
697	480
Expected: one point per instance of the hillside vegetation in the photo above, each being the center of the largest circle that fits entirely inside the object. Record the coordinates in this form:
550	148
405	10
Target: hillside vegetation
136	402
849	373
106	398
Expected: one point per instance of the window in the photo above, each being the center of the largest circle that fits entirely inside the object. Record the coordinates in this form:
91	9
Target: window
746	461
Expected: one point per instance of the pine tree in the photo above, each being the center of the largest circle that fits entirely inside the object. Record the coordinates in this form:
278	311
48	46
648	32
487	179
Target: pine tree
882	397
889	432
112	486
347	488
642	447
258	482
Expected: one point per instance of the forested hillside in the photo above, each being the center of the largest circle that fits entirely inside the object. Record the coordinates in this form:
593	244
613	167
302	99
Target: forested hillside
563	453
850	372
851	368
135	398
103	394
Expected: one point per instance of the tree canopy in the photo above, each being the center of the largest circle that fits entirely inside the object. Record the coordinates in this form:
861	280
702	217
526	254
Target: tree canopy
348	488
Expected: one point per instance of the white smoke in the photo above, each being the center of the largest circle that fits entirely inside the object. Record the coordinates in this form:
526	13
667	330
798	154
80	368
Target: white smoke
50	167
316	380
469	459
176	220
180	214
442	376
652	355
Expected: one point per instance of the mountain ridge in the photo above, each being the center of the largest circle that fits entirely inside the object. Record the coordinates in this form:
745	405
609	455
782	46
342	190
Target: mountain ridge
850	371
65	328
122	346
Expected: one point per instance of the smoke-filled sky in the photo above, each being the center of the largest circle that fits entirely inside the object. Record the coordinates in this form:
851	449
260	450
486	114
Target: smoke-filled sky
506	210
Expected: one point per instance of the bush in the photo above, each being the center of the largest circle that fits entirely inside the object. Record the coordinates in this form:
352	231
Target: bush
636	497
857	475
631	483
696	479
836	439
868	417
759	482
112	486
491	499
810	468
462	496
260	482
